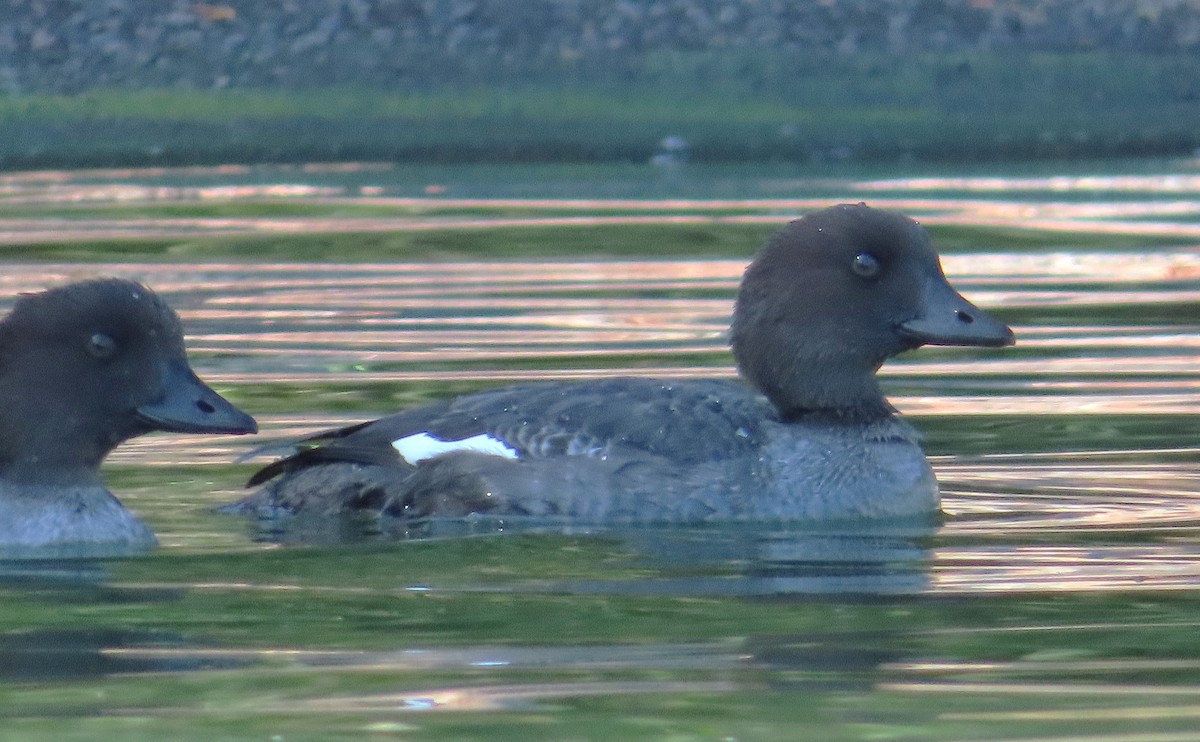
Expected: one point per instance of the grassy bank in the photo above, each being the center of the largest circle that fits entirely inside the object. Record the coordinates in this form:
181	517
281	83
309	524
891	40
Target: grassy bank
735	107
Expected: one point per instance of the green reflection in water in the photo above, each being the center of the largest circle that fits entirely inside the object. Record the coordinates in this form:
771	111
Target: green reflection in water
594	241
184	642
839	668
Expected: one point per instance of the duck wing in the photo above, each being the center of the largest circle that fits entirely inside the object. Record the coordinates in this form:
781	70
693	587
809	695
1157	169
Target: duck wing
686	422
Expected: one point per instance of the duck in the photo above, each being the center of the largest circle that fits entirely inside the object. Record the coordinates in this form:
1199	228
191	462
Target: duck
806	434
83	368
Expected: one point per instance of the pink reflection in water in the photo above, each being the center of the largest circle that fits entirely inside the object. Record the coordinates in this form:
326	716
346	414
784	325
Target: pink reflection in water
329	326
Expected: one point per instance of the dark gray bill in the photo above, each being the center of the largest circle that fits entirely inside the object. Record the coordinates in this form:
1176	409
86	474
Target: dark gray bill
188	405
948	319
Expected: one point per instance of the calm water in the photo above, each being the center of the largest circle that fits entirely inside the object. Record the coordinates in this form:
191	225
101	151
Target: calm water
1059	600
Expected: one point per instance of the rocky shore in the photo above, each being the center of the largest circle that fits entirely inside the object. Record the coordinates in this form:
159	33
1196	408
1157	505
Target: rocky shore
69	46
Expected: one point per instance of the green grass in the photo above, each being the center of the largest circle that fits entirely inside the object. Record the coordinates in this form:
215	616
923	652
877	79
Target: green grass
731	106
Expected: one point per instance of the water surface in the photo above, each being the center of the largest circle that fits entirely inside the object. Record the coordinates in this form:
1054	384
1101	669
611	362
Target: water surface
1058	599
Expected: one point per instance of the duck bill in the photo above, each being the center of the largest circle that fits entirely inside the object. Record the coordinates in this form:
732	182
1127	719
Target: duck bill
188	405
947	318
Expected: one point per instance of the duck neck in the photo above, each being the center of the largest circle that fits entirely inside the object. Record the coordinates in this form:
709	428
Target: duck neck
810	389
49	456
861	414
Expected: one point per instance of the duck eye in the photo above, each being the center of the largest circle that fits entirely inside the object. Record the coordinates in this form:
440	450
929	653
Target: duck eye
865	264
101	345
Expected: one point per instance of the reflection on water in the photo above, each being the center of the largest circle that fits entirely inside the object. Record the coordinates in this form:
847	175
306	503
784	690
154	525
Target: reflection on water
311	338
1069	468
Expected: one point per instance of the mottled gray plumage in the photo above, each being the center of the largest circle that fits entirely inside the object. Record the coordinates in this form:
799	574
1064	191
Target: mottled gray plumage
827	300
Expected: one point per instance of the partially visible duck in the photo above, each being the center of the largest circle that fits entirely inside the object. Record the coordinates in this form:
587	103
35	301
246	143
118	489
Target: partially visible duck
83	368
829	298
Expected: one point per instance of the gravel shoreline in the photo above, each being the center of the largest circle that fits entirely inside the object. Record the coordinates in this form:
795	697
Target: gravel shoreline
71	46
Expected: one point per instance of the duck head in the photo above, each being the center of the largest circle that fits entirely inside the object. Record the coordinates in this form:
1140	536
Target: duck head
86	366
834	294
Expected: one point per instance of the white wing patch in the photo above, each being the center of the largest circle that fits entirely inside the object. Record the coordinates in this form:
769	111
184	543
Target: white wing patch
421	446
